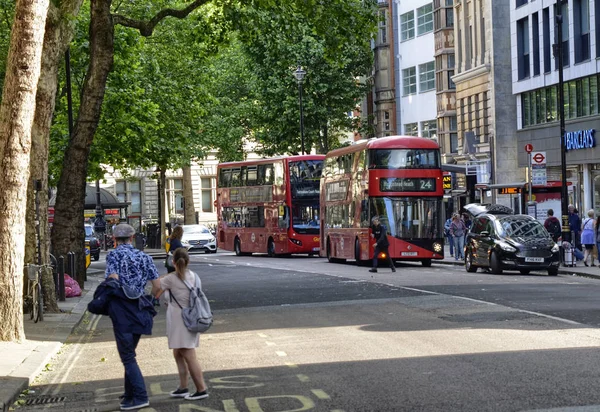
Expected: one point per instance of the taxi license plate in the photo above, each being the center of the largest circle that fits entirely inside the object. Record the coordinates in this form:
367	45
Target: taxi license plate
315	249
409	253
534	260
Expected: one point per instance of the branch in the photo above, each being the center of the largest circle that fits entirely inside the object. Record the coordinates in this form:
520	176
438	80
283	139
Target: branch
147	27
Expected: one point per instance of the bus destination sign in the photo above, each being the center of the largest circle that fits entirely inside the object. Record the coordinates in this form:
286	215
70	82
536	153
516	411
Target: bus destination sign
407	184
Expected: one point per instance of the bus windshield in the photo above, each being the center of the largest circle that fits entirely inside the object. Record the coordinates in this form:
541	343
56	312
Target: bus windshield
409	218
305	184
404	159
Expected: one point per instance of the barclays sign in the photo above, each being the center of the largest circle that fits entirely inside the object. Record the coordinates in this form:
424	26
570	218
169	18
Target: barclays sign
581	139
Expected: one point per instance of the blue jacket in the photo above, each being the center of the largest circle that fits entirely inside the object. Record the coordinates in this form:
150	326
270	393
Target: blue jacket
132	315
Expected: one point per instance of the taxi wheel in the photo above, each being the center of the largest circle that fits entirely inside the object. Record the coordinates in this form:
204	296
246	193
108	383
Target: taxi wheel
97	256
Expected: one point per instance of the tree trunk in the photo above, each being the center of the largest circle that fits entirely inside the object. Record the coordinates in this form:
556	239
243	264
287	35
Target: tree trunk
68	233
189	217
59	32
16	119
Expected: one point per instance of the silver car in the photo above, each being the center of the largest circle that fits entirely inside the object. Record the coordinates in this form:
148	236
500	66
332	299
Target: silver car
198	237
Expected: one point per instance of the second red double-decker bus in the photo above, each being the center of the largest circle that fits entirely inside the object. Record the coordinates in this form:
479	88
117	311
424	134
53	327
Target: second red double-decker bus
399	179
269	205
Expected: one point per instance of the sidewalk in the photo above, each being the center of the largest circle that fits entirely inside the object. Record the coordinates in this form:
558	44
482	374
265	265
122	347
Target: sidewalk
20	363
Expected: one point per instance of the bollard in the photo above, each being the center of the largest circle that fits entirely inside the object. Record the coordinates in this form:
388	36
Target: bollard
61	279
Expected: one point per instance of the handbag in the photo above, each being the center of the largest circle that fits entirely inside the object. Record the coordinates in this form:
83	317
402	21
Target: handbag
169	263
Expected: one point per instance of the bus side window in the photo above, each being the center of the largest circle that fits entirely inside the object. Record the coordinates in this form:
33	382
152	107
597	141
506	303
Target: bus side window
252	176
364	213
284	217
236	177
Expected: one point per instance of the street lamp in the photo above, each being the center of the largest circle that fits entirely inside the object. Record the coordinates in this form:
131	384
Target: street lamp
299	74
557	49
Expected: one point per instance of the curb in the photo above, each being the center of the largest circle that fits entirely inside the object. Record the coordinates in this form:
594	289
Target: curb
562	271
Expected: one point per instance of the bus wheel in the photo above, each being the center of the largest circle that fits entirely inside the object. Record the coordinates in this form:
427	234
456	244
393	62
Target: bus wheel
359	261
237	247
426	263
329	258
271	248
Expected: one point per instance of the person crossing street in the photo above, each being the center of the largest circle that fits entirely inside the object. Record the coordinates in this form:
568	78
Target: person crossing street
379	233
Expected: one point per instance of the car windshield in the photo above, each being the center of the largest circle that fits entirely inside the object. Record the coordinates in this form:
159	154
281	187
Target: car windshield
195	229
515	226
89	231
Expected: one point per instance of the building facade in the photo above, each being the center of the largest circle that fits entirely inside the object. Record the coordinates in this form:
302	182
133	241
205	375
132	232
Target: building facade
443	21
535	84
486	123
415	68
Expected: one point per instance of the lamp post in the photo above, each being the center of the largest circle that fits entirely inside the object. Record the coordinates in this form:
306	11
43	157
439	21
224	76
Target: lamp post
558	55
299	74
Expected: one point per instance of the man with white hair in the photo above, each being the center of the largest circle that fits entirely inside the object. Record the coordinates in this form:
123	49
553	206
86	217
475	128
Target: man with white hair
133	269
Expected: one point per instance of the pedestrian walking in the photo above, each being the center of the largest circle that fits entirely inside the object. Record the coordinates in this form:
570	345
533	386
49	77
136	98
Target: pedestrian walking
448	235
379	233
133	269
587	237
176	287
458	229
552	225
598	240
174	244
575	226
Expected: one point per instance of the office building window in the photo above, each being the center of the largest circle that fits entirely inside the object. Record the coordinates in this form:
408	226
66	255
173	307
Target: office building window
409	81
175	196
426	77
523	47
535	29
597	18
546	39
449	17
130	191
429	128
449	3
425	19
407	26
453	142
521	2
383	27
451	64
581	15
581	99
208	187
565	35
411	129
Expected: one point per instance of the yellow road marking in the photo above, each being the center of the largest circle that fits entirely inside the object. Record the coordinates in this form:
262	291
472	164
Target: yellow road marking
320	394
281	353
291	365
303	378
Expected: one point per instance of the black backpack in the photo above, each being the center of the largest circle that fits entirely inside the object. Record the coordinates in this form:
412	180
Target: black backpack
554	229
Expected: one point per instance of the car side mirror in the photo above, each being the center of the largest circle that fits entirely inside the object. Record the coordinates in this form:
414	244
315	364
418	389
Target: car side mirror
484	233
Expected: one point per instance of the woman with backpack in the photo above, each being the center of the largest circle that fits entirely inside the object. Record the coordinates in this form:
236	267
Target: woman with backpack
176	287
587	237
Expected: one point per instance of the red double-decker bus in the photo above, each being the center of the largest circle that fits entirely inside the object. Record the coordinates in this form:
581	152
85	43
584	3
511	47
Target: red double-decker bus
269	205
399	179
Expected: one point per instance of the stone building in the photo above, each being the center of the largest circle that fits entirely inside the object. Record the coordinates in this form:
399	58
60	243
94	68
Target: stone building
485	107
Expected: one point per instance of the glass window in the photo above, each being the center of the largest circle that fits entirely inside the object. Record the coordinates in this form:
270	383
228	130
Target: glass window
523	48
207	187
551	104
305	177
407	26
251	175
305	218
594	93
382	27
449	17
425	19
404	159
572	100
453	142
426	76
409	81
451	84
516	226
525	109
411	129
225	178
429	128
409	218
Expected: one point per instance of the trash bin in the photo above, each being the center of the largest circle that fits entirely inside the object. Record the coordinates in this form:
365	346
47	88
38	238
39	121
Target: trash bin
139	241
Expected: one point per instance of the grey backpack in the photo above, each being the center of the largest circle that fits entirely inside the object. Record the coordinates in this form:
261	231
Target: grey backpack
197	318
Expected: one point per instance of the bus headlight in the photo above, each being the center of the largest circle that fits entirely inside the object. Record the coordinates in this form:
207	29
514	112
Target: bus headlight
296	242
437	247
